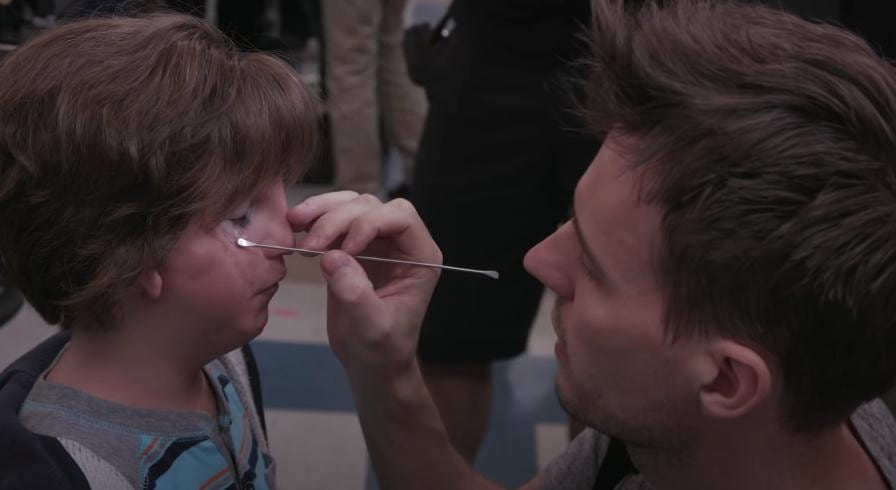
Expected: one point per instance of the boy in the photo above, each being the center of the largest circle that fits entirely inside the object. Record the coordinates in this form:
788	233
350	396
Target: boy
133	153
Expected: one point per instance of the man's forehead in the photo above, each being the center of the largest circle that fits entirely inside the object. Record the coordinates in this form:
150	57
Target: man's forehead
608	191
617	225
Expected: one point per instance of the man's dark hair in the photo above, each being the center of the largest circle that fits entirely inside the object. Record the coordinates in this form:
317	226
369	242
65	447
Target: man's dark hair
770	144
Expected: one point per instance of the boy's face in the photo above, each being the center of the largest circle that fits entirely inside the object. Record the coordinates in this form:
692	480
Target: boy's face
218	293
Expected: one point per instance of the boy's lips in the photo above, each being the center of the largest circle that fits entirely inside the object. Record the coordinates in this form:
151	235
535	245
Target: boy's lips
274	286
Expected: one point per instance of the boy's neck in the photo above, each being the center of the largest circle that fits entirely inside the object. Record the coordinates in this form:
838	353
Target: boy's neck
135	372
832	460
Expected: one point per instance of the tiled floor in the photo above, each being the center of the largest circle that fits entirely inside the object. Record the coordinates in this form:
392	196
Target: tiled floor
315	435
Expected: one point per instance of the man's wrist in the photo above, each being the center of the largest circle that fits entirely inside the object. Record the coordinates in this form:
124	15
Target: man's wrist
401	381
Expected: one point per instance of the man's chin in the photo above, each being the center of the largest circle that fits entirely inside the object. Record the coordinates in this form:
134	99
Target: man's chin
565	399
577	410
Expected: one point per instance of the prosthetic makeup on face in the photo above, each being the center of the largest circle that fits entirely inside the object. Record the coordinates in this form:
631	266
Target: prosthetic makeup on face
222	291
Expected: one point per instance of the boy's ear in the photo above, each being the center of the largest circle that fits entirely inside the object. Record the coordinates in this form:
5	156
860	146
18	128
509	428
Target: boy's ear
738	381
150	284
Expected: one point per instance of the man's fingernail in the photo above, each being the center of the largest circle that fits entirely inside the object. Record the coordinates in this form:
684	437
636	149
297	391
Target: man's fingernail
311	242
348	246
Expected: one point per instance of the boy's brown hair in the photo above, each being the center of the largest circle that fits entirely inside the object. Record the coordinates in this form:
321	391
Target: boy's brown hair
115	133
770	144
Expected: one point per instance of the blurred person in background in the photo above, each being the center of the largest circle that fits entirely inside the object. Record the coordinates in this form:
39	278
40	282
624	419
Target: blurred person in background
500	155
366	83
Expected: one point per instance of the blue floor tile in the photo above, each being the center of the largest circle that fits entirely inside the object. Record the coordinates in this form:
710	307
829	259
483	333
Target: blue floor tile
308	377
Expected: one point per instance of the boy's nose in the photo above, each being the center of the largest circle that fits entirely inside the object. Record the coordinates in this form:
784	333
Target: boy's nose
280	234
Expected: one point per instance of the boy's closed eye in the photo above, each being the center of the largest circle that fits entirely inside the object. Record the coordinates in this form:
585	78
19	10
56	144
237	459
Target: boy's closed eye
241	220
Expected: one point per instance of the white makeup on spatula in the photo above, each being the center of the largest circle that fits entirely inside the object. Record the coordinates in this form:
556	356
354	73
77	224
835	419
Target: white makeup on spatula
242	242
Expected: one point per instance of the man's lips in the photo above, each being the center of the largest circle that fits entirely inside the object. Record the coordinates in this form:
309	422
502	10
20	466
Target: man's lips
555	322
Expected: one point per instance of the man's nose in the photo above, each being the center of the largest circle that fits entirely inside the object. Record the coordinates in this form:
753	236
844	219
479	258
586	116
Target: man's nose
551	261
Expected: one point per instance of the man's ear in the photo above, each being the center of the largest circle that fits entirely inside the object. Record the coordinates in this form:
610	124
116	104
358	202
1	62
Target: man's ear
150	283
739	380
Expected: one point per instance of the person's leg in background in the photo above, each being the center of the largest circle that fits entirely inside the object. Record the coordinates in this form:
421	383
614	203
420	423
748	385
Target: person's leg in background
495	176
486	185
480	188
403	104
463	393
351	31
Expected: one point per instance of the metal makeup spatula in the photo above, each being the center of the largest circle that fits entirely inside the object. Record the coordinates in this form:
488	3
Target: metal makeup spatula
242	242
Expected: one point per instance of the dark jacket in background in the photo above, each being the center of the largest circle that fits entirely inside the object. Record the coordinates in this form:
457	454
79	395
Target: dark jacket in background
869	18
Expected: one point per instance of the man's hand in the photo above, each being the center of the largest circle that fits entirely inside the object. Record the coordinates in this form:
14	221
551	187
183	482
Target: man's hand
374	310
374	313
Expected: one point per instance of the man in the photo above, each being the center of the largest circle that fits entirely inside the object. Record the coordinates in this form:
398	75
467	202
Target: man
727	286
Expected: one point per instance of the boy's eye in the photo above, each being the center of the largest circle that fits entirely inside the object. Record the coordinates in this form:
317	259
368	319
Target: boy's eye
242	221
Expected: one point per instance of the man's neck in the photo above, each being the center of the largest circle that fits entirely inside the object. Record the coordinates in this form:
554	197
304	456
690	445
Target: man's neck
832	460
134	370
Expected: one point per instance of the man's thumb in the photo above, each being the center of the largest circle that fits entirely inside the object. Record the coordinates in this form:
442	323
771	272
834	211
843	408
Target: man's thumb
348	282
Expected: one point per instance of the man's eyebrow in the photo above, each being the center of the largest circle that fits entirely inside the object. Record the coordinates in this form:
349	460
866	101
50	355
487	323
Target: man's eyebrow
591	259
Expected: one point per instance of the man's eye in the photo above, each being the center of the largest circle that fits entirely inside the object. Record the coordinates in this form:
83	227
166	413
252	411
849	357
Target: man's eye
590	271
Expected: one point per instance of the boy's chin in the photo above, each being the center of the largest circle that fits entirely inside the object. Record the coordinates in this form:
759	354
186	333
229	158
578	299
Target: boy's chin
246	332
255	329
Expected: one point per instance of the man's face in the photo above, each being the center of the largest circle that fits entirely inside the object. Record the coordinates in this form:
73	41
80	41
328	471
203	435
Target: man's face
617	372
217	291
